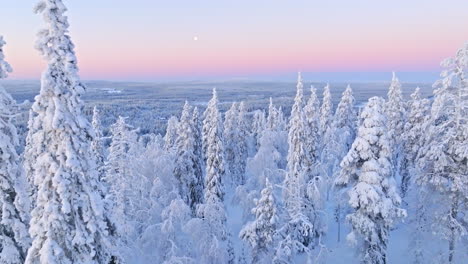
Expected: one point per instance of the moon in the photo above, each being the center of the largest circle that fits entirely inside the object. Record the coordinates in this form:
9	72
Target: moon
195	38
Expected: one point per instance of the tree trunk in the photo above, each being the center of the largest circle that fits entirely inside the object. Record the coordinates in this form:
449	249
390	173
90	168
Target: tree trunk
338	220
453	216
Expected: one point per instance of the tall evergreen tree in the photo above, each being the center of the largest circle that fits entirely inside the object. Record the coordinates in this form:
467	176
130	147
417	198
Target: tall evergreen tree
213	151
312	128
260	233
97	149
123	184
345	119
171	133
275	119
296	177
187	165
216	245
395	111
443	164
272	118
366	175
242	142
326	111
14	237
258	125
197	135
97	144
231	149
419	111
342	135
67	224
30	154
299	231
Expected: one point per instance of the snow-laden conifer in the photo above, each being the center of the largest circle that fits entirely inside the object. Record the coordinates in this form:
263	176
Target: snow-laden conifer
296	177
345	120
198	150
67	224
443	163
339	141
395	112
326	111
213	152
367	177
275	120
231	150
395	109
187	167
418	115
242	143
216	244
171	133
312	128
340	135
97	146
299	231
14	237
123	184
260	233
258	126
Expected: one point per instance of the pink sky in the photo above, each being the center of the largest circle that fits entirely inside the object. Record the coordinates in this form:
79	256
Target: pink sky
246	39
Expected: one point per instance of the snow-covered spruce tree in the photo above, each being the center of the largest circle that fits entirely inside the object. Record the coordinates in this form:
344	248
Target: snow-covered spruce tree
296	176
312	128
418	114
326	111
326	140
97	149
230	143
187	169
395	112
268	162
258	126
242	143
443	163
67	224
272	118
260	233
122	182
281	120
14	237
214	152
311	159
345	120
5	67
299	231
342	135
197	137
97	144
367	178
275	120
171	133
214	243
30	154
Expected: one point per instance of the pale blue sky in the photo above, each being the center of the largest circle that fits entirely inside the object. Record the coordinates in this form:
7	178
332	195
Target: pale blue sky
146	39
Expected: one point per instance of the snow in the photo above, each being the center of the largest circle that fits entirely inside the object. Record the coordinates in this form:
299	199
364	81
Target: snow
241	184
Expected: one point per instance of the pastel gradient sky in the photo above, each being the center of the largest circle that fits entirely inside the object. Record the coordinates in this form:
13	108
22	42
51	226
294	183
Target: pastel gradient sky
154	39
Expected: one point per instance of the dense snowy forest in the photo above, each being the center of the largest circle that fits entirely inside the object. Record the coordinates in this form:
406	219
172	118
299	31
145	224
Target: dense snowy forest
382	183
